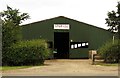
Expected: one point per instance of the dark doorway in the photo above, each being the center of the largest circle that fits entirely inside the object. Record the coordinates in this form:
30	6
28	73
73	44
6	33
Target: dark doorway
61	45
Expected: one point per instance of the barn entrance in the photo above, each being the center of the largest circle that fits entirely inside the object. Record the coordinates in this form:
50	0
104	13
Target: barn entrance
61	45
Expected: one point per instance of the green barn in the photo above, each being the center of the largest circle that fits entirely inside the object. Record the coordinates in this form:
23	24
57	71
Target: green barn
68	38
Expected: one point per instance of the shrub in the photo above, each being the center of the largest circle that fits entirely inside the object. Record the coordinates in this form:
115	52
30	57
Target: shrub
110	52
31	52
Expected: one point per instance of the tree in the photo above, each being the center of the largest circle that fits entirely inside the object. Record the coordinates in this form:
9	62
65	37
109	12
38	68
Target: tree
14	16
11	20
113	20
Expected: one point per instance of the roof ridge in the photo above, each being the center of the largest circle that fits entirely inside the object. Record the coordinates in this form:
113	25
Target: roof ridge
69	19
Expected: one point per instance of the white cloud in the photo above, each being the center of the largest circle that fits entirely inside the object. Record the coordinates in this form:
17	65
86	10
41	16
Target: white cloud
89	11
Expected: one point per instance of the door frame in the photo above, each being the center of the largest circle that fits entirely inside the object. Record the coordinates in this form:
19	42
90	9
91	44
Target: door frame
67	54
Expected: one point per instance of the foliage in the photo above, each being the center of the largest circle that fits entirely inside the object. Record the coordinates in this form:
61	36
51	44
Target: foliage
10	34
113	19
110	52
31	52
14	15
11	18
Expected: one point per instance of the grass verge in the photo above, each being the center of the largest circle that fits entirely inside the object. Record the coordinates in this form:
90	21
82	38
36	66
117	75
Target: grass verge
4	68
105	64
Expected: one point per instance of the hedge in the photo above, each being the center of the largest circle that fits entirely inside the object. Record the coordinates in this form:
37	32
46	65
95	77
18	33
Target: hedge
110	52
32	52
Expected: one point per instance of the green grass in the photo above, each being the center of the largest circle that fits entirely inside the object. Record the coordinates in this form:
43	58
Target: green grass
4	68
105	64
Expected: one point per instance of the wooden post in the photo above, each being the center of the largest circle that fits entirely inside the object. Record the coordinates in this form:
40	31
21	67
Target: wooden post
93	59
94	52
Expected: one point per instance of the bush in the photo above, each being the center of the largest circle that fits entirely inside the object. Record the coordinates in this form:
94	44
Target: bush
31	52
110	52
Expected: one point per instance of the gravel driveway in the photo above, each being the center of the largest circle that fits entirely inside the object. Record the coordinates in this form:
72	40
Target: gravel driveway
65	67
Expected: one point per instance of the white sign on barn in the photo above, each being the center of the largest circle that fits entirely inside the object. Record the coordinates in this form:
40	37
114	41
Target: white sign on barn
62	26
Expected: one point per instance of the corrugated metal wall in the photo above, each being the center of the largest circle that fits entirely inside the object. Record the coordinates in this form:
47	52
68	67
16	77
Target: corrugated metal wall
78	32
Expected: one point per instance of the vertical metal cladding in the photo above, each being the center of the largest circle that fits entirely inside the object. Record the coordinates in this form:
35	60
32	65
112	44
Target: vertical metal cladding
82	37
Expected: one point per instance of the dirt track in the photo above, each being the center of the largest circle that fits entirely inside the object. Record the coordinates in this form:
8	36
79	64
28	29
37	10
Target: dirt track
65	67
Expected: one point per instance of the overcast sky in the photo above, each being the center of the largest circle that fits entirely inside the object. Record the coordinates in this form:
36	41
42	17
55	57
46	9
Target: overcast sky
92	12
